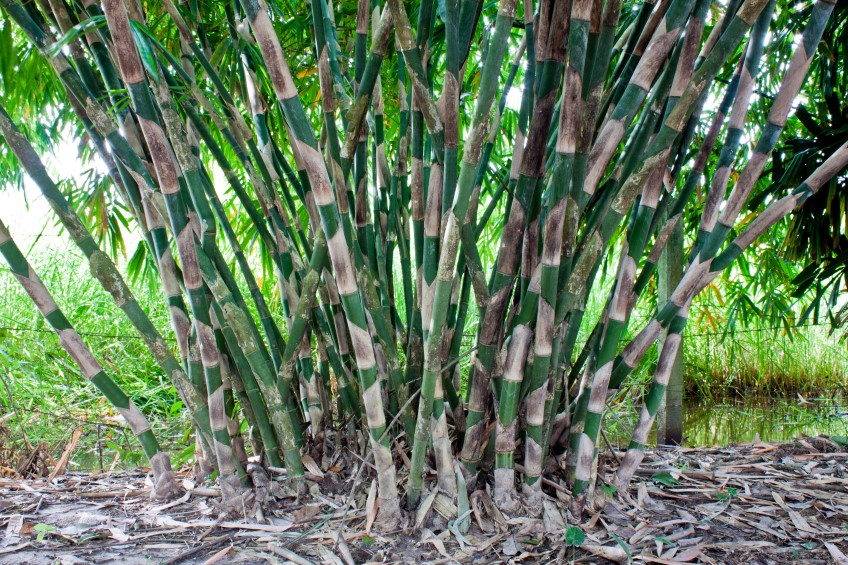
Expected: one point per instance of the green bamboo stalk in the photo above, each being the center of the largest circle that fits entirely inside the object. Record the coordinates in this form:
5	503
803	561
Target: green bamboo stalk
411	52
233	425
256	357
450	243
718	183
612	132
304	140
499	290
647	21
571	112
311	395
507	413
620	303
104	270
648	173
648	170
131	68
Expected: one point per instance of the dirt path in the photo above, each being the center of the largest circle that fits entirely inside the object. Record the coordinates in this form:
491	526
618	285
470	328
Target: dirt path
753	504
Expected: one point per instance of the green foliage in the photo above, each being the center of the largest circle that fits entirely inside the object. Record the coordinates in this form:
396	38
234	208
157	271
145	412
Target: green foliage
665	478
726	494
574	537
815	238
42	530
43	386
759	358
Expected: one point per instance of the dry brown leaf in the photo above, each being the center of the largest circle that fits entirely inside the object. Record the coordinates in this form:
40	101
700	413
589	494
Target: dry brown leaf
670	553
289	555
328	556
14	525
510	547
554	522
690	554
801	524
838	557
14	548
219	556
424	508
371	506
429	537
306	513
157	509
312	466
118	534
493	511
612	552
344	550
478	516
62	464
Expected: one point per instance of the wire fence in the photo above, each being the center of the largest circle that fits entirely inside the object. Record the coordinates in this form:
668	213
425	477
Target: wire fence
699	334
83	334
757	330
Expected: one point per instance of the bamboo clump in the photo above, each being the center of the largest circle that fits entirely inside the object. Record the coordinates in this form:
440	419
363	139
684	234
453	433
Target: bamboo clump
374	222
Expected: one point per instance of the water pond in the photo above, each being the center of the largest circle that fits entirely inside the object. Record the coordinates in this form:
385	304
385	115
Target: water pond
706	423
720	422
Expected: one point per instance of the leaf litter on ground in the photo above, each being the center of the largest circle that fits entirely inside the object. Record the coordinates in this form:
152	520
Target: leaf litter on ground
755	504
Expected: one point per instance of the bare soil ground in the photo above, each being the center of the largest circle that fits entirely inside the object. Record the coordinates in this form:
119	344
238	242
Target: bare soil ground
754	504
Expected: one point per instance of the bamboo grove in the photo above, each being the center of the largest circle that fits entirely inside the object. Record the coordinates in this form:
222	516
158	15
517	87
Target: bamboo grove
371	201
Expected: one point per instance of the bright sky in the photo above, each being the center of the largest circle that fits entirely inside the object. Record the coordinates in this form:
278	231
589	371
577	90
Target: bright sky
28	215
27	212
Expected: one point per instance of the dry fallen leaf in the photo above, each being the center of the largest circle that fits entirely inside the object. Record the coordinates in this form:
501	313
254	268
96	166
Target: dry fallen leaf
311	466
371	506
552	517
429	537
424	508
838	557
306	513
612	552
510	547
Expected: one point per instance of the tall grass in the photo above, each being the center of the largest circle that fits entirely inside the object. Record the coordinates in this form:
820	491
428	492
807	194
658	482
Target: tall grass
757	359
41	384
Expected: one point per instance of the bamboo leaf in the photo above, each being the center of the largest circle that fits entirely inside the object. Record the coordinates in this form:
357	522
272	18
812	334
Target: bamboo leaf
90	24
140	36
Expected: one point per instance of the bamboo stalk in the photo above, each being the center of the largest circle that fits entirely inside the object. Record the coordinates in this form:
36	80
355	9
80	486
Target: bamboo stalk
343	272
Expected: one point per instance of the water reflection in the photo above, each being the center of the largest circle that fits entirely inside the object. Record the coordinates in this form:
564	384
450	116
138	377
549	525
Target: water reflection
718	423
705	424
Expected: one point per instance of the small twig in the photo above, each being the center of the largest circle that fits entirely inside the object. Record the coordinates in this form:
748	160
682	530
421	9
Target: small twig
364	460
399	412
545	481
121	428
458	359
202	547
356	479
609	446
99	448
